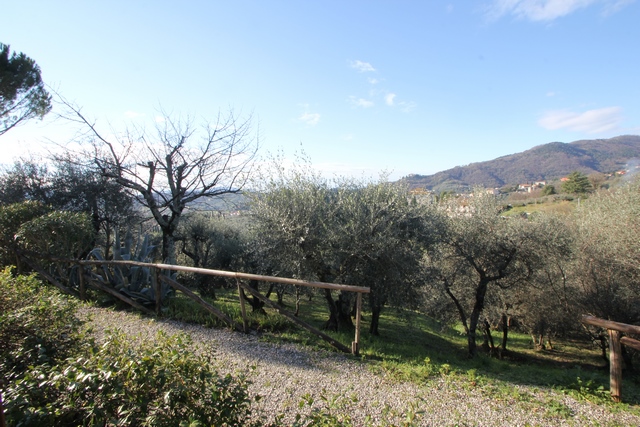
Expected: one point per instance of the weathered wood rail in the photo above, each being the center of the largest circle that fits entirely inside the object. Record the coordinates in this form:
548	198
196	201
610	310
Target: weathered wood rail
615	329
157	279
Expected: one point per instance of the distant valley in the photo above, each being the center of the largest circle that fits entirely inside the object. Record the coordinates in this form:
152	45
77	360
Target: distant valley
545	162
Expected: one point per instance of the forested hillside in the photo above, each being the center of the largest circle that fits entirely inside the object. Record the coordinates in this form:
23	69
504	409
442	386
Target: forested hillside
541	163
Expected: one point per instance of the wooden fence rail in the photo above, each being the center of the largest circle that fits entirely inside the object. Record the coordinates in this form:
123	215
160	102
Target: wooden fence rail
157	278
615	329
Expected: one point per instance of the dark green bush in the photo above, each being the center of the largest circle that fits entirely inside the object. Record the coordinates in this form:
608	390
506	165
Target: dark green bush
37	325
119	383
53	375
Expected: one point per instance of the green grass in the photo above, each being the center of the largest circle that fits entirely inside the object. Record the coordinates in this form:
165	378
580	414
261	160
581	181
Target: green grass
413	347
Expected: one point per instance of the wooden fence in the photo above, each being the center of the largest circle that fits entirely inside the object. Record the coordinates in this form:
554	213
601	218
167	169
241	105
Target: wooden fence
157	279
615	329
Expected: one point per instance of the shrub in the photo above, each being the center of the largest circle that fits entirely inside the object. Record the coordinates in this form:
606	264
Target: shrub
37	325
53	375
154	384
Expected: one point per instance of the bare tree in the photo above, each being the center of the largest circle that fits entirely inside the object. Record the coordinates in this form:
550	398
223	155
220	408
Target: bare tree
176	165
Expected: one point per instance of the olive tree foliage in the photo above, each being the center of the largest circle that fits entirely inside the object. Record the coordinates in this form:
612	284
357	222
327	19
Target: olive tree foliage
22	91
608	263
544	304
26	180
479	250
36	237
342	231
175	165
211	240
65	184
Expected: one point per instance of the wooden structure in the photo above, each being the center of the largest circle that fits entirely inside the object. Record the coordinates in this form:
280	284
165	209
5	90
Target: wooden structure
157	279
615	329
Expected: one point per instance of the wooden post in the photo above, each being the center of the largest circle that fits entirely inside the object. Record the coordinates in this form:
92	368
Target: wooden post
82	285
243	310
157	287
615	365
355	346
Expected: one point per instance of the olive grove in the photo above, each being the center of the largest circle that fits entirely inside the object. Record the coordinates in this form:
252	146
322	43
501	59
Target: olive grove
345	231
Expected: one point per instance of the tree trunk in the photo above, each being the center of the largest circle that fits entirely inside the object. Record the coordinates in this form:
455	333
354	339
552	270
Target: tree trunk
339	312
298	297
168	246
375	320
505	331
481	291
487	331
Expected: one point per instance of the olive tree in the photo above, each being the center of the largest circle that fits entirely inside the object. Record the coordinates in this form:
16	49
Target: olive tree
479	249
65	183
608	264
543	305
358	233
211	240
175	165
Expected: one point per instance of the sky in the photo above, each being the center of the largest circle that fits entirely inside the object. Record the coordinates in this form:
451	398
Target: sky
362	87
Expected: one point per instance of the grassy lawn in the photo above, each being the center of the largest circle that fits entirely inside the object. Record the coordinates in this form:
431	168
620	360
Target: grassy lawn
413	347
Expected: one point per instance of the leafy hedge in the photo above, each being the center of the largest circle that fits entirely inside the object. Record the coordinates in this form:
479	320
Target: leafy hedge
55	376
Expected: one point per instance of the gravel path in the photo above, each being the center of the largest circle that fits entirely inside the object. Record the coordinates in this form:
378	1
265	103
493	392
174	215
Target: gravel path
285	373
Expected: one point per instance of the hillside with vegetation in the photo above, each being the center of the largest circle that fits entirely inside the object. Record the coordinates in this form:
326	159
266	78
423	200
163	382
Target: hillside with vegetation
541	163
478	294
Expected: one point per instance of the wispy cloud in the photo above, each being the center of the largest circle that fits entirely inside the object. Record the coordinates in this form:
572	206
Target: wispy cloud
407	107
389	99
361	66
614	6
311	119
307	117
590	121
360	102
548	10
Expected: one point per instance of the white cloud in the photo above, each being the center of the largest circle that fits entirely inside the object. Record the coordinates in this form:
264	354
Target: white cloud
389	99
373	81
362	67
590	121
407	107
551	94
548	10
360	102
614	6
311	119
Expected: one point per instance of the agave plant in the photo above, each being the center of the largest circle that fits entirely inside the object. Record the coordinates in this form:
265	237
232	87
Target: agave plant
132	280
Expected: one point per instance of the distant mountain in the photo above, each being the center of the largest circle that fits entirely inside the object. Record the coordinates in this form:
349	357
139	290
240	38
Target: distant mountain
541	163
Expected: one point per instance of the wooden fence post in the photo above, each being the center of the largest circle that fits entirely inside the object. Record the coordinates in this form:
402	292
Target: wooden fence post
157	287
355	346
615	365
243	310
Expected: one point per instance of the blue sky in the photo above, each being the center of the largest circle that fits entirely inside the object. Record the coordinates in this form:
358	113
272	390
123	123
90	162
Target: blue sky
361	86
